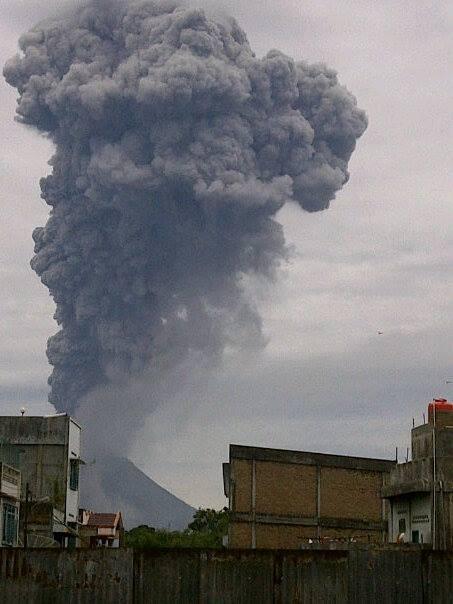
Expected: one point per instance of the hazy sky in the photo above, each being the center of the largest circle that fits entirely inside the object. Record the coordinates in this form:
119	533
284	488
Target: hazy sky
378	260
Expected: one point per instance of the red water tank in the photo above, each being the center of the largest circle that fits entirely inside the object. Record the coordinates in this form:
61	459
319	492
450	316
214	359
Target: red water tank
441	405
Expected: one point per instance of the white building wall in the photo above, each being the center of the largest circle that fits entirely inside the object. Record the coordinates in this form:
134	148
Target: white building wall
400	514
414	512
421	517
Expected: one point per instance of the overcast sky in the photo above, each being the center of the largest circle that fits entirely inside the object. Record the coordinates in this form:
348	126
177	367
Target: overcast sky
379	260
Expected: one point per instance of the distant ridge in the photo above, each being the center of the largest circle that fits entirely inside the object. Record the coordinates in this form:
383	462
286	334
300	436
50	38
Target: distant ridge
115	483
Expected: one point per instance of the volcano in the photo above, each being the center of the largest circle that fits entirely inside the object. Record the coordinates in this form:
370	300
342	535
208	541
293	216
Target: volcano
116	484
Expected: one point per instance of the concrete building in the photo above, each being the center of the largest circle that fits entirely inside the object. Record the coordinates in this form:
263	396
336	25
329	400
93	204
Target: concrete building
10	485
100	529
48	449
420	492
283	499
10	490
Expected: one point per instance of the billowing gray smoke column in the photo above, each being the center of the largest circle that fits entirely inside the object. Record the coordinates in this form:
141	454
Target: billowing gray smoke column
175	147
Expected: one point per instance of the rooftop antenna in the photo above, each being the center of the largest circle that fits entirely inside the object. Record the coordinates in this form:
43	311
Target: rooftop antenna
22	411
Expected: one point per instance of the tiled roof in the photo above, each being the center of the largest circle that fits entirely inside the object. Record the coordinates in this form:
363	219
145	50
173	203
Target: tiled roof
102	520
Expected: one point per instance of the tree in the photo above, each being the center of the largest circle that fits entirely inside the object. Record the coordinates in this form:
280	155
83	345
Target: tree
210	522
205	531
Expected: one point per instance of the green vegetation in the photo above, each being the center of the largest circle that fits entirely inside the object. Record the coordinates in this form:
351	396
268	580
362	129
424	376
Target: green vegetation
206	530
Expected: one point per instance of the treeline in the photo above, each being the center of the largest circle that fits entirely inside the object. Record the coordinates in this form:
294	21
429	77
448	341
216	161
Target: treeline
207	530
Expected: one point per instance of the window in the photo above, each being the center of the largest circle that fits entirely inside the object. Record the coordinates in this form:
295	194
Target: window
402	525
74	474
9	524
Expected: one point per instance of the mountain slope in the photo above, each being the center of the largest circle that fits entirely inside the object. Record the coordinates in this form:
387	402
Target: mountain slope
115	483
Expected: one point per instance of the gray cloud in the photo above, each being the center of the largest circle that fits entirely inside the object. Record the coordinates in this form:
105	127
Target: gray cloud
175	149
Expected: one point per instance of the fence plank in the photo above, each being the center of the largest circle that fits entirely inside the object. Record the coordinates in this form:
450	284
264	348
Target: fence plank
48	576
319	577
193	576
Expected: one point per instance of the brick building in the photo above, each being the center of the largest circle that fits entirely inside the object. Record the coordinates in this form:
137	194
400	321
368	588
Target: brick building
281	499
420	491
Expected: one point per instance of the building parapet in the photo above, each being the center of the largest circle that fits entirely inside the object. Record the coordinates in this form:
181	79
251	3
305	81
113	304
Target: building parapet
406	488
416	476
311	458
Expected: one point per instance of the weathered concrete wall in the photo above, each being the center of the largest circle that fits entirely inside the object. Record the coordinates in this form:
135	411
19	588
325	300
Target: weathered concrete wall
353	576
240	577
48	576
314	576
42	446
422	440
32	430
43	467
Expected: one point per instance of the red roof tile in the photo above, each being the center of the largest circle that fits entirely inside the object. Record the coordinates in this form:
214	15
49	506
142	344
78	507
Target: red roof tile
104	520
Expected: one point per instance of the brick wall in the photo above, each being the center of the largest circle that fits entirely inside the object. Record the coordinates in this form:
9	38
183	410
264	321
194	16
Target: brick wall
285	489
357	535
242	489
280	536
289	491
351	494
269	536
240	535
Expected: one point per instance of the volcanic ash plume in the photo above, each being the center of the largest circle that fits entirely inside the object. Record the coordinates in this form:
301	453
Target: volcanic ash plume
175	147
